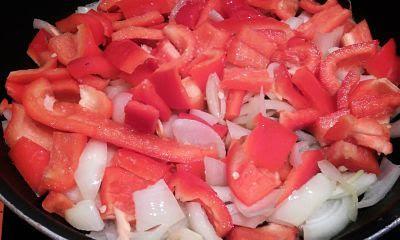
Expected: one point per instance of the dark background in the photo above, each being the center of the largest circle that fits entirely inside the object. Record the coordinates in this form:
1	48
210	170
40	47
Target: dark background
16	32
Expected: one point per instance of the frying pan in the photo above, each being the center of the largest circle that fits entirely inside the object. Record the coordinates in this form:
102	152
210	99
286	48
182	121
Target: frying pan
15	34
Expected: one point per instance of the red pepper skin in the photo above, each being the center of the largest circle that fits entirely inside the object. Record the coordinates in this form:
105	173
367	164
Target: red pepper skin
348	85
183	38
64	159
73	118
384	63
271	231
38	49
146	20
355	54
141	73
209	37
234	103
64	46
93	81
133	32
190	13
106	22
85	41
57	203
284	9
131	8
125	55
188	187
312	6
85	66
299	119
324	123
241	55
195	168
246	79
314	91
146	93
141	117
31	161
360	33
257	40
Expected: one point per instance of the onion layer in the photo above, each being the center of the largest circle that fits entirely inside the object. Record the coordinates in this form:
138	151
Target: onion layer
84	216
215	172
199	222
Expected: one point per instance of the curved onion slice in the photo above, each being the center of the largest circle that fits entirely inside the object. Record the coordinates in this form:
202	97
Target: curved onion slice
215	96
303	136
48	102
395	129
264	207
328	220
88	7
108	233
325	41
304	201
123	226
224	193
271	69
84	216
165	130
209	118
376	192
119	103
179	4
236	131
360	184
330	170
157	233
278	106
215	172
90	171
193	132
297	150
241	220
199	222
115	88
74	195
184	234
215	16
156	205
294	22
40	24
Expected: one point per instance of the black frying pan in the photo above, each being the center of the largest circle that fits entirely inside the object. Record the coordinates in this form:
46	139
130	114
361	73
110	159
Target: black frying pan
15	34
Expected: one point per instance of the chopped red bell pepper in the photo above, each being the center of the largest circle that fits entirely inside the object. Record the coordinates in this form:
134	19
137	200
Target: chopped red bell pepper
57	203
131	8
209	37
299	119
85	42
188	187
195	168
31	161
360	33
270	232
342	129
142	166
284	9
209	7
313	6
246	79
98	64
133	32
348	85
141	73
93	81
266	153
314	91
234	103
240	54
38	49
323	124
95	101
238	9
257	40
73	118
64	159
189	14
104	20
64	46
165	51
146	20
141	117
196	96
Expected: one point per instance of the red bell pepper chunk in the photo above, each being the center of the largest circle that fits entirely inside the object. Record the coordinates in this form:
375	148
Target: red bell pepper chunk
360	33
302	173
188	187
21	125
183	39
313	91
247	182
257	40
209	6
221	130
269	232
57	203
105	21
246	79
146	20
131	8
133	32
141	73
313	6
285	88
113	16
64	46
266	153
342	129
168	85
381	144
165	51
64	159
209	37
195	168
234	103
106	5
299	119
240	54
348	85
125	55
189	14
28	75
196	96
284	171
324	21
284	9
146	93
142	166
353	157
384	63
85	66
238	9
38	49
73	118
141	117
116	191
95	101
31	161
323	124
93	81
354	54
85	41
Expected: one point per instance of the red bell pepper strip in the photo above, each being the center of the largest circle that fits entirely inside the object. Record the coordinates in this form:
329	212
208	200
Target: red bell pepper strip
348	85
105	21
141	73
146	20
189	14
133	32
113	16
284	171
353	157
188	187
324	21
302	173
234	103
125	55
271	231
195	168
312	6
31	161
384	63
141	117
257	40
98	64
285	88
95	101
85	42
93	81
381	144
209	37
246	79
38	49
165	52
209	6
64	46
73	118
64	159
146	93
360	33
131	8
266	153
299	119
142	166
313	91
284	9
21	125
28	75
116	191
323	124
238	9
57	203
354	54
242	55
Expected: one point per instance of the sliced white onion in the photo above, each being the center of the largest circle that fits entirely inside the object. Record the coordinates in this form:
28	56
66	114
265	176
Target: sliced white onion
74	195
165	130
48	102
108	233
294	22
199	222
304	201
236	131
213	96
325	41
241	220
90	171
7	113
4	125
367	77
395	129
40	24
184	234
87	100
248	111
156	205
297	150
279	106
271	69
179	4
193	132
224	193
84	216
215	171
113	91
215	16
209	118
328	220
305	16
330	170
156	233
123	226
119	103
360	184
303	136
264	207
386	180
88	7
